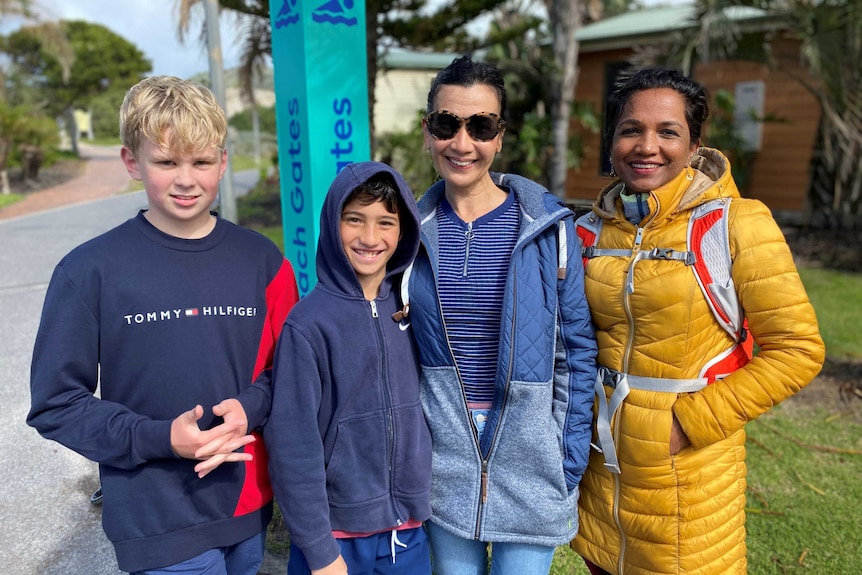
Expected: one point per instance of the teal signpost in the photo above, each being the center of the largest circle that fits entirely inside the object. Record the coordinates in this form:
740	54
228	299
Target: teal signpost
321	94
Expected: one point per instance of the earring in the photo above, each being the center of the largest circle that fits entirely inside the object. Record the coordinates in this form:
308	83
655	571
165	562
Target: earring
612	173
689	173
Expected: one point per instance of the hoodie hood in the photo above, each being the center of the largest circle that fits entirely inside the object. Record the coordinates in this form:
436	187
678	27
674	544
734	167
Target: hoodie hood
334	271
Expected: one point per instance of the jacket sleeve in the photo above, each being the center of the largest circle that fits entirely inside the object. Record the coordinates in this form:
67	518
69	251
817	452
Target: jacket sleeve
781	320
281	295
294	443
577	361
63	378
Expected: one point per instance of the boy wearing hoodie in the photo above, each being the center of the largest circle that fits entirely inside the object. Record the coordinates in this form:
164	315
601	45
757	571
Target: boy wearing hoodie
350	452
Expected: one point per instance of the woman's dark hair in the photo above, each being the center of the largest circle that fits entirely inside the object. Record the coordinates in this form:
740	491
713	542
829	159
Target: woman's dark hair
465	72
695	96
379	187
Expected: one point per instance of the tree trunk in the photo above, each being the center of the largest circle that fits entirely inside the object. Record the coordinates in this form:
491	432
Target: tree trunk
565	17
836	173
5	146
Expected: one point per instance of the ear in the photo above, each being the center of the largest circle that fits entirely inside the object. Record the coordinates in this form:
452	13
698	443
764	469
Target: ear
131	163
223	163
426	137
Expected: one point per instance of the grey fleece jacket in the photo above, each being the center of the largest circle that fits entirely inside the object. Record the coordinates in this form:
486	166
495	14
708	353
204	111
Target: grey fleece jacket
520	484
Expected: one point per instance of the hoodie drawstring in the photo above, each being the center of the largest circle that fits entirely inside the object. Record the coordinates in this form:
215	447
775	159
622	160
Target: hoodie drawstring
393	542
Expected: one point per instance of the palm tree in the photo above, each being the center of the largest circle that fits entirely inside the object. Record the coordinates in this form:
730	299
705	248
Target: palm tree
565	17
383	18
831	35
252	21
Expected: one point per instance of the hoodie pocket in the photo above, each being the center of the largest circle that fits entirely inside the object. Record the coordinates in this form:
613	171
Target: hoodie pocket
412	464
357	470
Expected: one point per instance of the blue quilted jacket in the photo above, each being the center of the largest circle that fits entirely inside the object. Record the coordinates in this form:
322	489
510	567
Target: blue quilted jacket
520	484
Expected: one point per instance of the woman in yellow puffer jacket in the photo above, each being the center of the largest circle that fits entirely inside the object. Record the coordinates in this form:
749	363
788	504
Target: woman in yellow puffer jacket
665	488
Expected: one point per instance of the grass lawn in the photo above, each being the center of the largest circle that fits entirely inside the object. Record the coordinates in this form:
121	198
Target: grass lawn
8	199
804	457
836	297
804	492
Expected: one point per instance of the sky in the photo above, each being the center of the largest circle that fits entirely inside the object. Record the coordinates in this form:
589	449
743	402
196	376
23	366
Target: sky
151	25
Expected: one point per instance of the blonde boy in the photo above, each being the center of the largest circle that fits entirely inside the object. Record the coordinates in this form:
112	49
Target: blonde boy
174	310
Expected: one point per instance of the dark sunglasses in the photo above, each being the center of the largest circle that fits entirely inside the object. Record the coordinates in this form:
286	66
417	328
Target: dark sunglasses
483	126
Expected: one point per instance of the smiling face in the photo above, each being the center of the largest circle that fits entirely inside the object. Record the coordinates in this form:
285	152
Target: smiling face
652	142
369	238
462	161
181	187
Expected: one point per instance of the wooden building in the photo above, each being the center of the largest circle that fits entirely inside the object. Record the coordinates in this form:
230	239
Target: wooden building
781	146
401	89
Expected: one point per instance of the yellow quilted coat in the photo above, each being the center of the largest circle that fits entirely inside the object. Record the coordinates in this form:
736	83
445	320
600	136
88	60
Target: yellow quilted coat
685	513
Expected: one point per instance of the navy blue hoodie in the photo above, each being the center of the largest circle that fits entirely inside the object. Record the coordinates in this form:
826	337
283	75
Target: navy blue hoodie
348	444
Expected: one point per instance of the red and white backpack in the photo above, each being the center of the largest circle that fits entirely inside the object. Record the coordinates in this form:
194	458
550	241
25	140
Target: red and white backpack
708	255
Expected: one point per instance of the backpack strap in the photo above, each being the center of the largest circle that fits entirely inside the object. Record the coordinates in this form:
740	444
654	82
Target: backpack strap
622	384
708	243
708	237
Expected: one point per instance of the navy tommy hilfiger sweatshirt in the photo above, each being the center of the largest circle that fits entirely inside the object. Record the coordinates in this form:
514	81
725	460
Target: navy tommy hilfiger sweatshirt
349	447
162	324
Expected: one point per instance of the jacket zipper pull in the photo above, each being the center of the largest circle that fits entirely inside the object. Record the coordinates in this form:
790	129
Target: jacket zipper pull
469	236
373	309
484	494
639	236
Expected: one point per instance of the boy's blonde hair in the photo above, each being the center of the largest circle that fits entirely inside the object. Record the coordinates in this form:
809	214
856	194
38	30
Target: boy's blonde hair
159	104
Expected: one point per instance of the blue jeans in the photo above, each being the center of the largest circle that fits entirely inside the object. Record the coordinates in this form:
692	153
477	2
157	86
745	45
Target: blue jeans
453	555
407	554
244	558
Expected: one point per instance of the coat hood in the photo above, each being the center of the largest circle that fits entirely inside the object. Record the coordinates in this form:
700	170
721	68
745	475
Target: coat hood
710	179
334	271
539	208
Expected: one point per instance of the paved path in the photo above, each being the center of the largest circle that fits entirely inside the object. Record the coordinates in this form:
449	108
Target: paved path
104	176
48	526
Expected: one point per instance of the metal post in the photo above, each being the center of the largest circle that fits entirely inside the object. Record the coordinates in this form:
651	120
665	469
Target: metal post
227	198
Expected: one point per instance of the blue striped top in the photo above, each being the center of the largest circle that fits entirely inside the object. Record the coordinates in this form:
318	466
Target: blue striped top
474	262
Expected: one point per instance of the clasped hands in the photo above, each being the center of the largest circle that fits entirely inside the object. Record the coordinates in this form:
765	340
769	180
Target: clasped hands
216	445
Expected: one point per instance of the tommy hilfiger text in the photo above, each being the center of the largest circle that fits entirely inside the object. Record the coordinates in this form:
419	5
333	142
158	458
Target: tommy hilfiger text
169	314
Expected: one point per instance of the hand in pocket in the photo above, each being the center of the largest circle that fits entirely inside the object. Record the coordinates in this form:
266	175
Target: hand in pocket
678	438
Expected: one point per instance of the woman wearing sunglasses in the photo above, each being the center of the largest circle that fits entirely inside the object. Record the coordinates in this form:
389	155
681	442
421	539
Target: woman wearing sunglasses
506	345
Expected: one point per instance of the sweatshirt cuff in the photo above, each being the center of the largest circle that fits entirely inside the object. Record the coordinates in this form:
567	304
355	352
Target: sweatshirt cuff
256	403
153	438
322	553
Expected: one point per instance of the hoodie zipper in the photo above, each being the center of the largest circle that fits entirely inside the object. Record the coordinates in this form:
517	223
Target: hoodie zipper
387	400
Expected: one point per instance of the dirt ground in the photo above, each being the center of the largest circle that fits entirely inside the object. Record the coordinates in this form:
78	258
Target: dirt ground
54	175
836	391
